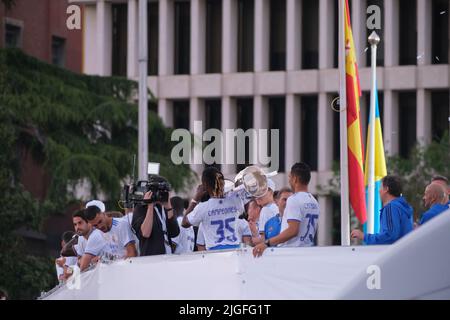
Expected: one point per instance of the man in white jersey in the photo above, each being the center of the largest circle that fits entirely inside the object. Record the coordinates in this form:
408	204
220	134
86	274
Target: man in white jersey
219	214
301	216
185	241
88	237
269	209
116	232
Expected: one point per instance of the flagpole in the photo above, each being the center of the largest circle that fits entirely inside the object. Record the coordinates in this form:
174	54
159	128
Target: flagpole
345	206
143	100
374	39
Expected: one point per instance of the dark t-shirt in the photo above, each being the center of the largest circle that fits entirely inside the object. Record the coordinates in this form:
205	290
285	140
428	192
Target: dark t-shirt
155	243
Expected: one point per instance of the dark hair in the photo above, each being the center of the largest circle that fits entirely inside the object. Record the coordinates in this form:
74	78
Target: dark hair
276	193
67	236
91	212
302	171
439	178
215	180
393	184
79	214
177	205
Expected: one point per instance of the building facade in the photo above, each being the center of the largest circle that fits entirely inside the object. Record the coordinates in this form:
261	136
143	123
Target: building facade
39	29
272	64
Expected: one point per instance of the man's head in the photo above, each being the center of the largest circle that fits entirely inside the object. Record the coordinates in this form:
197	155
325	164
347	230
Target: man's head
442	181
282	197
253	211
177	205
434	193
98	219
80	223
391	188
66	237
213	181
300	175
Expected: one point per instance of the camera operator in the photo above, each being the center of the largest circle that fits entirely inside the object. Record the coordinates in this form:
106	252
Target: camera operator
154	222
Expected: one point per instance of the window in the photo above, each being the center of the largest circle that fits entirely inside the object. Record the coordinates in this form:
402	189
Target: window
58	51
153	37
309	133
245	35
213	36
181	114
213	119
439	32
244	122
182	37
277	112
310	34
13	36
440	116
407	122
277	35
119	39
380	47
408	32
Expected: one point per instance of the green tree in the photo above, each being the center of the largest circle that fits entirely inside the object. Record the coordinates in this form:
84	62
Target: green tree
78	128
417	170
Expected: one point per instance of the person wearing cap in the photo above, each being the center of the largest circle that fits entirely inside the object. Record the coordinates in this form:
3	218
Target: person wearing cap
269	219
301	216
99	204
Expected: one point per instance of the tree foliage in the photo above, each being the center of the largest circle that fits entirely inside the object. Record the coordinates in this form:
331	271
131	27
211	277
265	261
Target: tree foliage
79	128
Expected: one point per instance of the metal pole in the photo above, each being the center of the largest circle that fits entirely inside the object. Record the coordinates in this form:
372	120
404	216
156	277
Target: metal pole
143	101
345	206
374	39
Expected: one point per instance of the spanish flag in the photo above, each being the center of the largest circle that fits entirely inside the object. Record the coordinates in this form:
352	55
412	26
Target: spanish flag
354	136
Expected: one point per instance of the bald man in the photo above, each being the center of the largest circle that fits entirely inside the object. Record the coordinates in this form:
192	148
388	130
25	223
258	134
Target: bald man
435	198
442	181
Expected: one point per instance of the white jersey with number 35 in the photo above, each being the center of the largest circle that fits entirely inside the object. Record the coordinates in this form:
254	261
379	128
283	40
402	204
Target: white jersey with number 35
219	219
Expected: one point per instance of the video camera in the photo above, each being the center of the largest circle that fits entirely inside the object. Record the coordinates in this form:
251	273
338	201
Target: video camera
134	194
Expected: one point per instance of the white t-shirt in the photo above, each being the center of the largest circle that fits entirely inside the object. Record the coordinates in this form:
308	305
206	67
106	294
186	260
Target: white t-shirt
71	261
302	207
95	245
267	212
185	240
128	218
243	230
218	217
80	247
116	240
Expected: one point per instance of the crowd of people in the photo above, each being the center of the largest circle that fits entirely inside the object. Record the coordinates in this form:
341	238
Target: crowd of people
217	218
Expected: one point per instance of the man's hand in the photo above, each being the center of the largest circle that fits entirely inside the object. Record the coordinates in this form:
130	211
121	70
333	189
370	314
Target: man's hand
259	249
60	262
357	234
148	195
